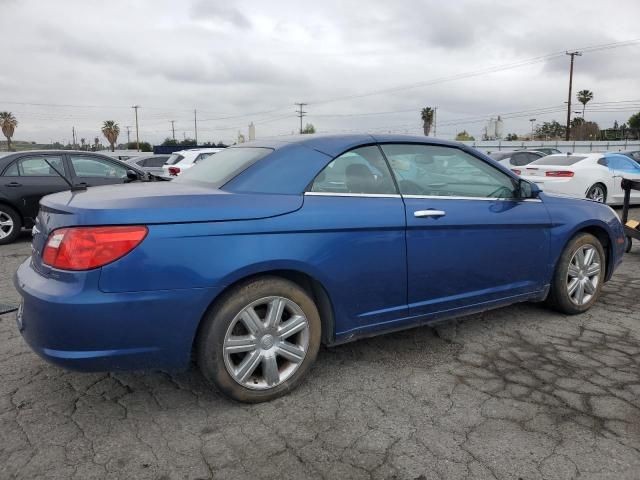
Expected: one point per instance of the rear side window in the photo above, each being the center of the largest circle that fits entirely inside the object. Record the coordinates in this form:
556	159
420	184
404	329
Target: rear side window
520	159
175	158
12	171
36	166
362	170
559	160
225	166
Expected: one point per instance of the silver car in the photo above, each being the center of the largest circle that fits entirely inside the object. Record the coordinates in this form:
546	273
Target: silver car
150	163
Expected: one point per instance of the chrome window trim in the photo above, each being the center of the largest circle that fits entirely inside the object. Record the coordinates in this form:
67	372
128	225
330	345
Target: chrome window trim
491	199
338	194
433	197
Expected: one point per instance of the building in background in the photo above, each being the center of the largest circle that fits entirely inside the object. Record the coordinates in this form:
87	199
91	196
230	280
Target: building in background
494	129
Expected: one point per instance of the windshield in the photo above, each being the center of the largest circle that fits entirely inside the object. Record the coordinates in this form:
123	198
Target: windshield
559	160
218	169
175	158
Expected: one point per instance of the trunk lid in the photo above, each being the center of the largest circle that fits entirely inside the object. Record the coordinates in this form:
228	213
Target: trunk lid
153	203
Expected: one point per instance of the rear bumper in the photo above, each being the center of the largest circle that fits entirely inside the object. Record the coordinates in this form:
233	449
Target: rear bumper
75	325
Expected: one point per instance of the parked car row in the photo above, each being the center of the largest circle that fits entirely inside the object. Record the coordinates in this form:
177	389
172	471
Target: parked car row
26	177
250	260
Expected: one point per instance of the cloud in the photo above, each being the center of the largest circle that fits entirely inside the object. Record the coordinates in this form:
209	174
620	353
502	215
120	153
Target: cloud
212	10
237	59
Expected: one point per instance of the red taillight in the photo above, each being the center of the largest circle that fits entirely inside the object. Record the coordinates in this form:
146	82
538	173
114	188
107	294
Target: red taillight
559	173
517	172
84	248
174	171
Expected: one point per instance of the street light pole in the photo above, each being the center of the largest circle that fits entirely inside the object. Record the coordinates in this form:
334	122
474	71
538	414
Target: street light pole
568	130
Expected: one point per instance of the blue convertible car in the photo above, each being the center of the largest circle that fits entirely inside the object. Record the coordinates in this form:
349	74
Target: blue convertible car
252	259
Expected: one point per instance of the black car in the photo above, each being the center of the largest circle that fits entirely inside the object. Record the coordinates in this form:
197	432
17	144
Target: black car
26	177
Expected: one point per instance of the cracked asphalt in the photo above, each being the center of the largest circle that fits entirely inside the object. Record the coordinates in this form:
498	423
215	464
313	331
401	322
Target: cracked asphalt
516	393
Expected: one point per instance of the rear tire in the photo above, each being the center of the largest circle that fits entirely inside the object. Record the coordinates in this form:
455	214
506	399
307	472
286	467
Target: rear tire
258	341
10	224
597	193
579	275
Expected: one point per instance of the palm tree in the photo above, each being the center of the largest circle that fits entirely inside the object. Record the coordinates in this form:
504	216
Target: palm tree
427	119
8	123
584	97
111	130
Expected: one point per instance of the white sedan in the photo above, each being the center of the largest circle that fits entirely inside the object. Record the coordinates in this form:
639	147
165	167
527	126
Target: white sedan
595	176
185	159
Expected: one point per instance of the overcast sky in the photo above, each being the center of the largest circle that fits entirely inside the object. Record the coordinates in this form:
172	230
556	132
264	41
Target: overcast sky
251	60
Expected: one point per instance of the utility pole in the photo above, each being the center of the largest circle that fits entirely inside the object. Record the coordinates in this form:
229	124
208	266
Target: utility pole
128	135
532	120
572	55
195	124
73	136
435	123
136	107
173	130
300	113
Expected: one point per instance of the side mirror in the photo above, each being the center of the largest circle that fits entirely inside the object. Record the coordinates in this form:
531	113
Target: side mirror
527	189
132	175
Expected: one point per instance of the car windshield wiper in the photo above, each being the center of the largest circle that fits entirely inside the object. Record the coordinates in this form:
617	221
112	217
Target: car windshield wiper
71	185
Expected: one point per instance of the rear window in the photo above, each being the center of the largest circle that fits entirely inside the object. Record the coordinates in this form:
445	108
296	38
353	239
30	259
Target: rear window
558	160
500	155
175	158
223	166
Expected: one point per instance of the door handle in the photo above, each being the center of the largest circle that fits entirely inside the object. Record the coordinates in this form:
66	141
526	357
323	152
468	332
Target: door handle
13	184
429	213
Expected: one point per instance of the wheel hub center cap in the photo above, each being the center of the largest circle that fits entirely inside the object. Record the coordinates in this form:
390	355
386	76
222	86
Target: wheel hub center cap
267	342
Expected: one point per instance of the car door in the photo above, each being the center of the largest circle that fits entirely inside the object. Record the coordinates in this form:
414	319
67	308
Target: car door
94	170
30	178
470	242
621	167
359	226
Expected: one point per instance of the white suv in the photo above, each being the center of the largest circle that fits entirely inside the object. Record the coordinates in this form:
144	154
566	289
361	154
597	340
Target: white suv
184	159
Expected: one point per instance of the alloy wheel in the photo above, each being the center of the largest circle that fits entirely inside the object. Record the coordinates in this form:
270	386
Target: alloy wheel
266	343
596	193
583	274
6	225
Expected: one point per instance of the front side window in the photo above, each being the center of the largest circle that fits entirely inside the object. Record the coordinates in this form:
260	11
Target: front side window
362	170
37	166
87	166
432	170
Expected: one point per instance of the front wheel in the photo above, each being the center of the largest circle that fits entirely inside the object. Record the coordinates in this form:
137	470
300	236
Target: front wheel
579	275
10	224
259	340
597	193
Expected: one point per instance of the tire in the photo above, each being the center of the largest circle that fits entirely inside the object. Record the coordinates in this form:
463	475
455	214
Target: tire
266	347
10	224
560	297
597	192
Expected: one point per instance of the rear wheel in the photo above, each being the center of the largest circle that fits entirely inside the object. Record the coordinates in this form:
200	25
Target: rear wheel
10	224
259	340
598	193
579	275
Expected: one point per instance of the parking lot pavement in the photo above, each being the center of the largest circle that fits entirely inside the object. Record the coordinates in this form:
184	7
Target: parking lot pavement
517	393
